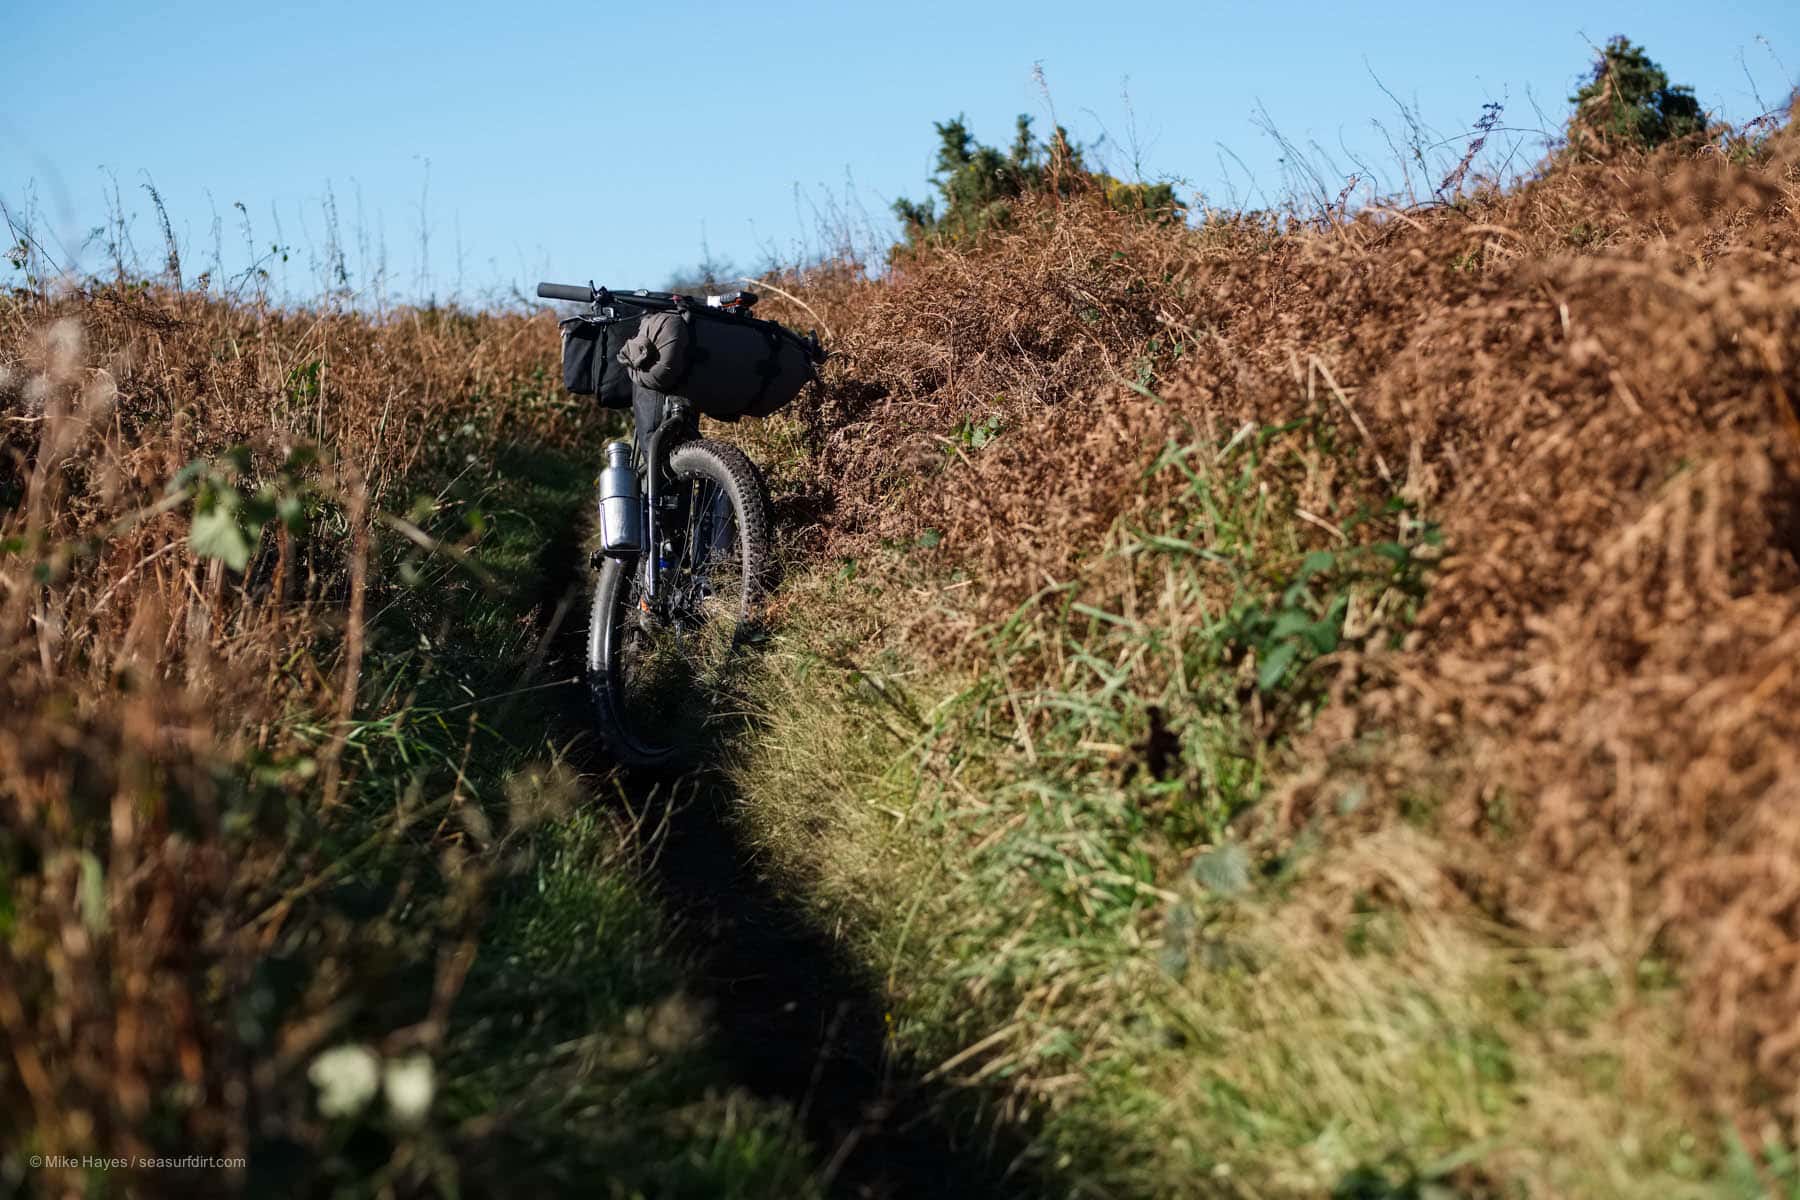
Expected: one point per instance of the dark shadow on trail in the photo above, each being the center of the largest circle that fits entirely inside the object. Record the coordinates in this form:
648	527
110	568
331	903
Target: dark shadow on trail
799	1023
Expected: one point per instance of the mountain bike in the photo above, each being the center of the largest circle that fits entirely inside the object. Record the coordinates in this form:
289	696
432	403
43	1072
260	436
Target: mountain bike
684	562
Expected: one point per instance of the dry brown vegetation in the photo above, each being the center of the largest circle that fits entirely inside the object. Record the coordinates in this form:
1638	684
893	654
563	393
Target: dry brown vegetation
1584	736
1587	382
165	791
290	771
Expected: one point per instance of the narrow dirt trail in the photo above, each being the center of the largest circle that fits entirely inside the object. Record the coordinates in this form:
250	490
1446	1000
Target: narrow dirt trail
797	1024
792	1020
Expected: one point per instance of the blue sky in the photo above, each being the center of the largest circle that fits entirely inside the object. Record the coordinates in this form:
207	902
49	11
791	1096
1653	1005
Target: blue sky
531	140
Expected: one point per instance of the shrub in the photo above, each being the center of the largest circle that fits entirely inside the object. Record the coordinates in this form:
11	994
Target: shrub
1629	104
978	184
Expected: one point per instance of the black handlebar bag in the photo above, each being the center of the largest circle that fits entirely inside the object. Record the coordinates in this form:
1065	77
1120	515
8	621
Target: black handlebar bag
591	343
726	365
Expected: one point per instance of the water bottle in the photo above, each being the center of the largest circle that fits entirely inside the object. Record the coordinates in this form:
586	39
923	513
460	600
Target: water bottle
621	514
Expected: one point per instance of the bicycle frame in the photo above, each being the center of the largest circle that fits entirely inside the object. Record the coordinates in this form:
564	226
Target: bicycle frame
678	416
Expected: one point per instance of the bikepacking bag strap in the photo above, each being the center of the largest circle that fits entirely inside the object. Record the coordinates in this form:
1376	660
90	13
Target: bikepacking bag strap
728	366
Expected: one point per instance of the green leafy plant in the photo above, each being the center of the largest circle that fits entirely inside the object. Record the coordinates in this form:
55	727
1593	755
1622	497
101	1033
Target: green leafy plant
1306	619
303	381
228	517
1299	626
971	434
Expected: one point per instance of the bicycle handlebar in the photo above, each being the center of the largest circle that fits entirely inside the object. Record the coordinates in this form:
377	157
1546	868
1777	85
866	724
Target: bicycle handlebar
587	293
581	293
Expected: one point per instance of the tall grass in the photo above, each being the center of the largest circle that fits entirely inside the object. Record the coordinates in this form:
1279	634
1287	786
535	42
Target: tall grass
1075	902
1214	699
301	862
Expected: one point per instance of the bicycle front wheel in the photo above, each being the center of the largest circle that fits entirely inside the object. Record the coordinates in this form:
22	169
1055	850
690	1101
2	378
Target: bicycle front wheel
662	667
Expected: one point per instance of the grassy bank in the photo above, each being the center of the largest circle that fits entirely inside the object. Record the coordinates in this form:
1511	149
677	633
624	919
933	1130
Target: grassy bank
575	1049
1052	859
1257	696
306	859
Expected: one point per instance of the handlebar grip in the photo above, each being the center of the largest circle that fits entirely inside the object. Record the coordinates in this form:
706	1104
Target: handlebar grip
581	293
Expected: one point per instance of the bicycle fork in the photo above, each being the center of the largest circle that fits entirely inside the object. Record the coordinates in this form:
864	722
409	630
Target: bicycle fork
655	504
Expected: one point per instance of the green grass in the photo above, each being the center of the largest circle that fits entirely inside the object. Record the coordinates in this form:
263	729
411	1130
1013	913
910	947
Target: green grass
480	898
1065	859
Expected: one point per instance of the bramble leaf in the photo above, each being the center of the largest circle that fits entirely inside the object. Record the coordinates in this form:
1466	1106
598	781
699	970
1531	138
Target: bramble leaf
215	532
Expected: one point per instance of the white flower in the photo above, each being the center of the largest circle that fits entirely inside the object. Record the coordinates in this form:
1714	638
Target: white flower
346	1077
407	1082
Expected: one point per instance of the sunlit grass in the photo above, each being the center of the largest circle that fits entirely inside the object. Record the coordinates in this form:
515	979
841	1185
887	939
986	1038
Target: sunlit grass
1063	865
